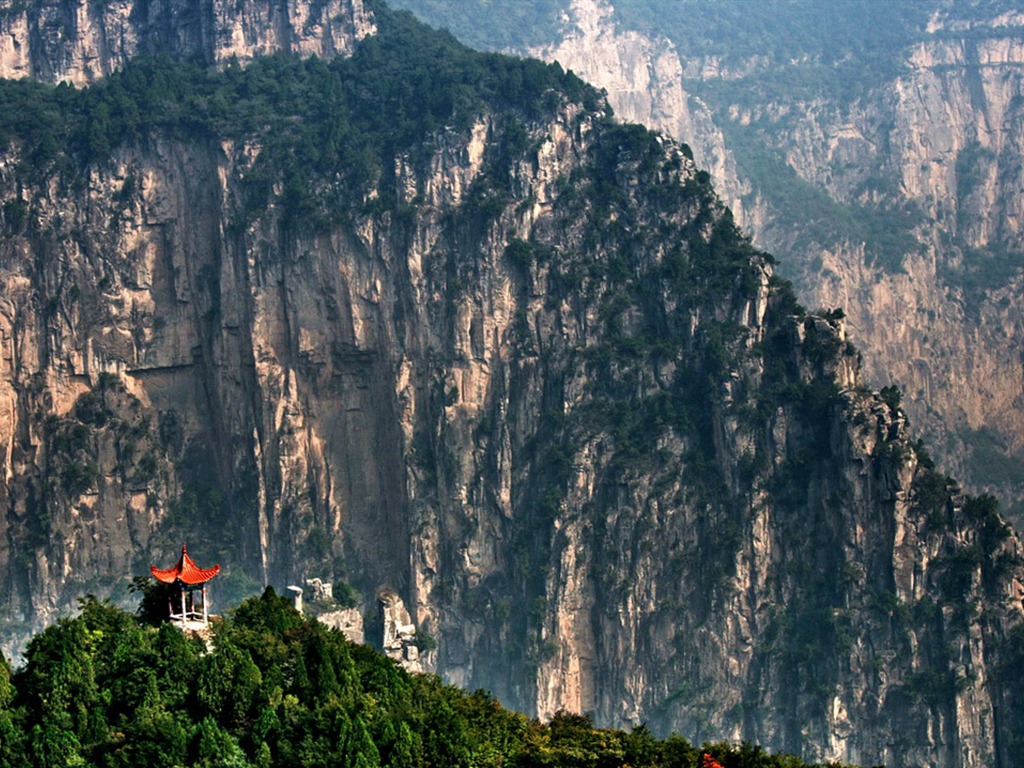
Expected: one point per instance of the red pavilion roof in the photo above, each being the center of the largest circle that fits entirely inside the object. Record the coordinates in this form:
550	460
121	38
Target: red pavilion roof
186	571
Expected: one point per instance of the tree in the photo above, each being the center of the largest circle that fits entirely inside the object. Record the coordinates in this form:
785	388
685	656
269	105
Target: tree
60	682
356	748
155	599
216	748
154	737
102	690
398	746
12	753
55	746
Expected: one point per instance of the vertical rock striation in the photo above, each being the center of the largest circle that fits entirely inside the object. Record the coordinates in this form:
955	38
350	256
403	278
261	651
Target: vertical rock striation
645	83
80	41
926	166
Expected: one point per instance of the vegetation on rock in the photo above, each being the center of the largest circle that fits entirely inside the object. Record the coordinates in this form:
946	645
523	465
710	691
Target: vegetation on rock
546	383
323	131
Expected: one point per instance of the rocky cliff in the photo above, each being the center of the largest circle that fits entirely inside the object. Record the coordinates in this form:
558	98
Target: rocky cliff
80	41
519	368
931	153
644	79
895	198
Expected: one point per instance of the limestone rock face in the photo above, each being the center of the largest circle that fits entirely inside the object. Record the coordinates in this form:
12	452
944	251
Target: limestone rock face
941	141
538	392
398	633
645	83
722	533
79	41
348	621
945	326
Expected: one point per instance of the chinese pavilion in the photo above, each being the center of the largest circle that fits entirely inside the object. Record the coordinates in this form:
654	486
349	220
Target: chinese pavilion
191	579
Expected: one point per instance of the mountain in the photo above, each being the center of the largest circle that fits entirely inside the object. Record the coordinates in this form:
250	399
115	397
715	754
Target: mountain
876	153
430	322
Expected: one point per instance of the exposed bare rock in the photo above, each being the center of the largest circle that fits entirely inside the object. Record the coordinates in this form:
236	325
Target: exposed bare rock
645	84
723	534
398	633
943	139
348	621
80	41
944	326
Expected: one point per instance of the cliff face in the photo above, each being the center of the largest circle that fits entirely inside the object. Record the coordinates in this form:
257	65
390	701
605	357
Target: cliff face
940	145
80	41
532	381
898	203
646	83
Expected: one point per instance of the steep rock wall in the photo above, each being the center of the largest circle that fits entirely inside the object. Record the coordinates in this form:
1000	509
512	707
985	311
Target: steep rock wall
80	41
948	155
940	143
645	83
537	386
551	398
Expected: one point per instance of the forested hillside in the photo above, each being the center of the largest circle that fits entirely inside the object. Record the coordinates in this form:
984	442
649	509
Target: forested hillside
275	689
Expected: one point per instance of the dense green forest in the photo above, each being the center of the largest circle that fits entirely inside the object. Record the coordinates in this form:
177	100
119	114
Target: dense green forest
276	689
324	129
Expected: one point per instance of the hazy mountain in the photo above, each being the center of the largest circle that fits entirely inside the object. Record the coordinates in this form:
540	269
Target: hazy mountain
876	151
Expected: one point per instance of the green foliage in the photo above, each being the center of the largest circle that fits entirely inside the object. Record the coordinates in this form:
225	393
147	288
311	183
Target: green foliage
924	458
11	736
930	498
996	561
345	594
327	131
789	53
15	216
425	641
154	599
929	686
821	343
278	690
957	571
520	253
891	396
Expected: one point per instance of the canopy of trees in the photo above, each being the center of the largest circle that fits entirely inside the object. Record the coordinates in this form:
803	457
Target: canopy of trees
275	689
